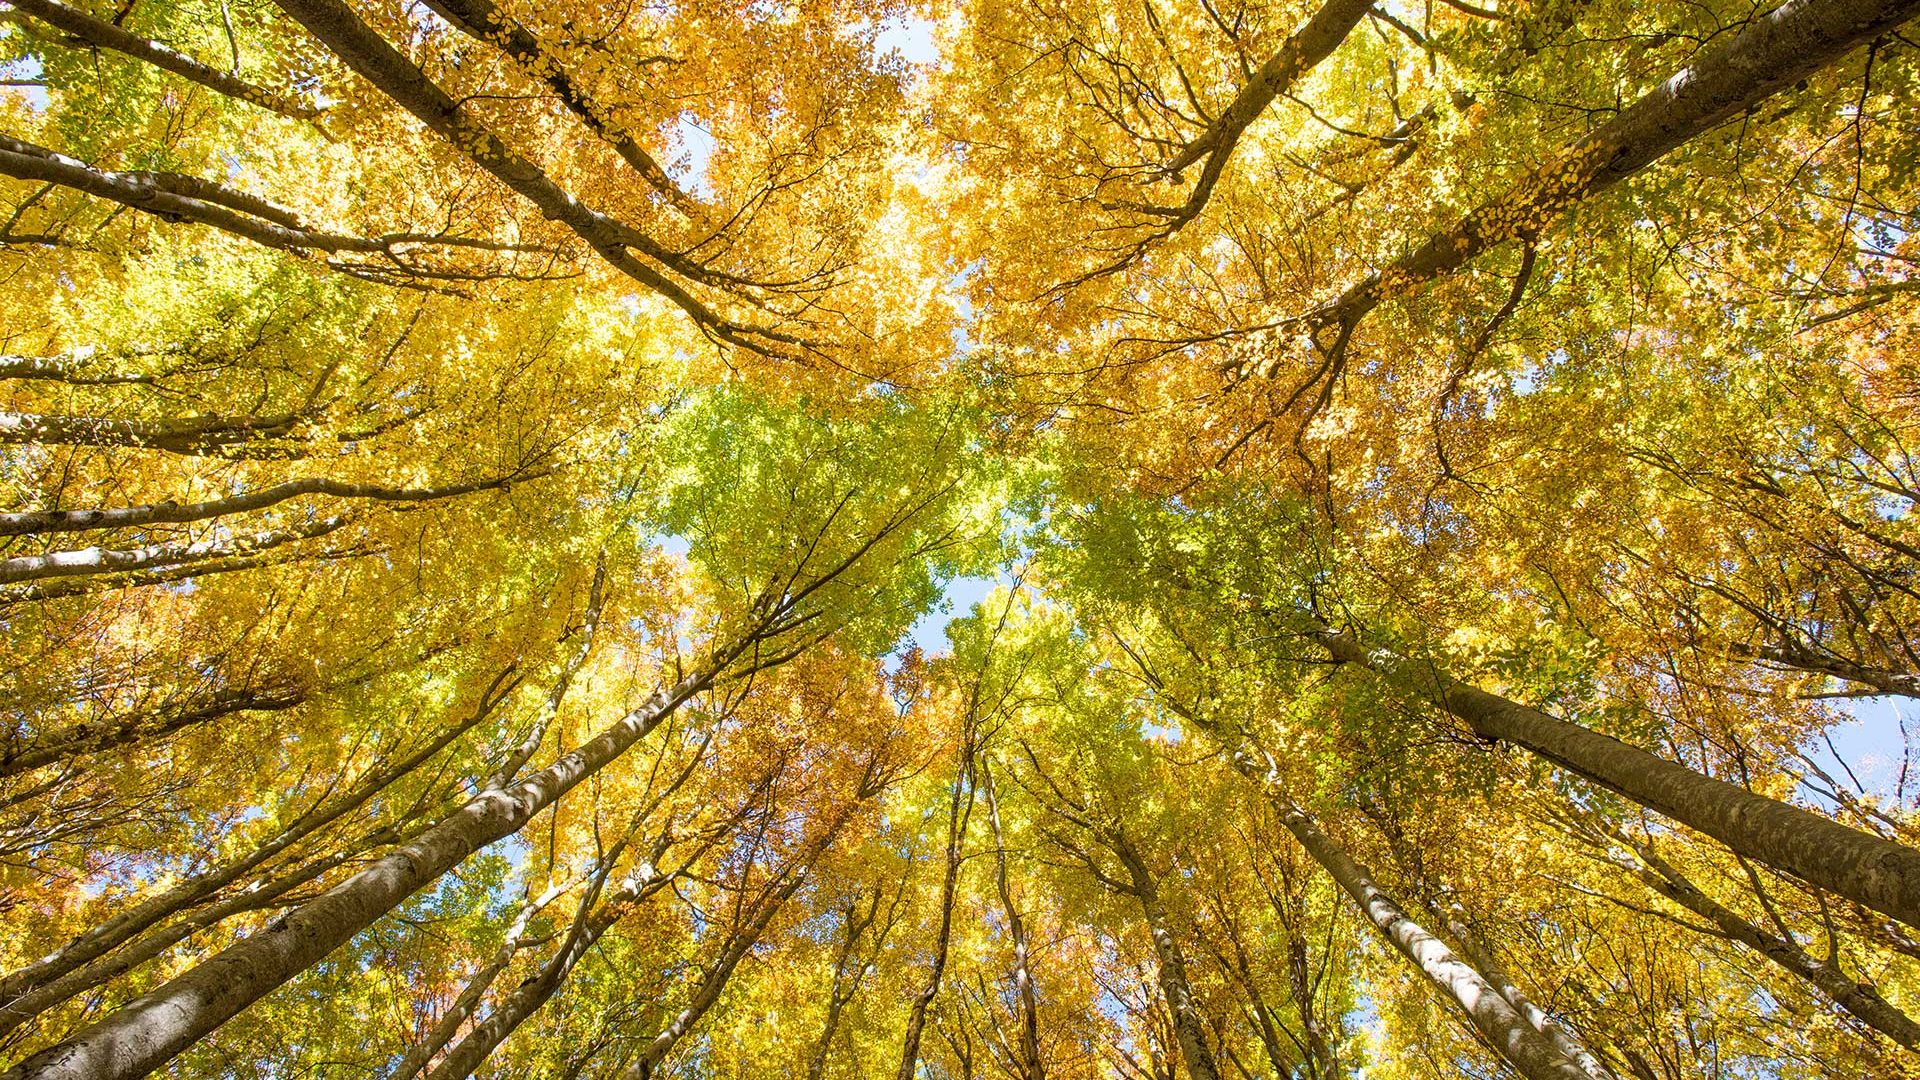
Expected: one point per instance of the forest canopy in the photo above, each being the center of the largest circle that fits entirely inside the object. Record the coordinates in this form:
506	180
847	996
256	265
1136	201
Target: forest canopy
959	539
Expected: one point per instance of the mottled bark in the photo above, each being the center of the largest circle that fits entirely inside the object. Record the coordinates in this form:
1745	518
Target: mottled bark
484	20
54	590
1858	998
1032	1067
194	435
1878	873
1189	1028
144	1033
369	54
137	918
85	562
1771	53
1491	1014
94	736
63	369
172	513
98	33
959	812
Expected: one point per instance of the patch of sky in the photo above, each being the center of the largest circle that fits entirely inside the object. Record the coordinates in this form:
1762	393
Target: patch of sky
22	77
929	633
689	170
1869	748
910	38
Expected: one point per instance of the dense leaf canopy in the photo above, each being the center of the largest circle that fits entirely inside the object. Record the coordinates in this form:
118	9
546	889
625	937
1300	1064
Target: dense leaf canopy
1045	539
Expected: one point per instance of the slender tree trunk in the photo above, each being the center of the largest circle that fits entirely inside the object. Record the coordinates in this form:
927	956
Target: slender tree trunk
134	920
1031	1065
715	980
54	590
148	946
537	733
94	736
1187	1025
52	521
590	923
105	35
848	971
98	560
468	1001
63	369
1858	998
191	436
144	1033
959	812
482	19
1878	873
1480	955
1492	1015
1771	53
376	60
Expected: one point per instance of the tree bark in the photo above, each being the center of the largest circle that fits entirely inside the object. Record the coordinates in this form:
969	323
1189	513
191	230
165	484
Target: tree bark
171	513
197	435
95	736
1032	1067
1858	998
1878	873
482	19
106	35
86	562
144	1033
1771	53
715	980
959	812
369	54
123	925
1492	1015
1172	963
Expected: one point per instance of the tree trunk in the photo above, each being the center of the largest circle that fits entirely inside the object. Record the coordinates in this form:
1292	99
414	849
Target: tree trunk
123	925
1492	1015
94	736
1878	873
52	521
1031	1065
482	19
148	1031
191	436
959	812
1858	998
106	35
86	562
1771	53
715	980
1174	986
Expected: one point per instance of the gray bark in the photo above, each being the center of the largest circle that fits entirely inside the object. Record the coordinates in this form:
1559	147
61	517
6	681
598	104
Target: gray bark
369	54
85	562
106	35
95	736
1878	873
172	513
137	918
144	1033
1491	1014
1771	53
1172	963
